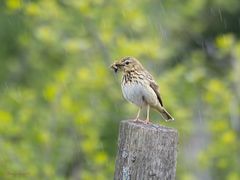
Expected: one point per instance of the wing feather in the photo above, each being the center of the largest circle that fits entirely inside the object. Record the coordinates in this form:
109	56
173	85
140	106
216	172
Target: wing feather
154	86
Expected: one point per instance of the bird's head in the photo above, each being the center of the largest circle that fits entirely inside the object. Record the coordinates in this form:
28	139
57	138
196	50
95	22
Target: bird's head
127	64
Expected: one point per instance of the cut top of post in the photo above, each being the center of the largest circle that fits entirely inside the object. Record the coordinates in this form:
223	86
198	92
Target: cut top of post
150	126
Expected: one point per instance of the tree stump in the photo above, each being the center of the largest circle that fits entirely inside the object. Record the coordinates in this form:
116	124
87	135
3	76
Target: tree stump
146	152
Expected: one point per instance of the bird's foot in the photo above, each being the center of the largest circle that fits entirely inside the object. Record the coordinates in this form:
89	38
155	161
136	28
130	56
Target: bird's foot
147	121
138	120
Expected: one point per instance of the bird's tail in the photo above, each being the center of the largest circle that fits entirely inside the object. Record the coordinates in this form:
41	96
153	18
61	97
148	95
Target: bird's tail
165	114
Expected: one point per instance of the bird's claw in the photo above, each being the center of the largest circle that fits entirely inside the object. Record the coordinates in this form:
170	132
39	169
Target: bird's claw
146	122
138	120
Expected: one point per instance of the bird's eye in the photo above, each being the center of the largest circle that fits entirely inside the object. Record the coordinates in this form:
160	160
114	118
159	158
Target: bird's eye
127	63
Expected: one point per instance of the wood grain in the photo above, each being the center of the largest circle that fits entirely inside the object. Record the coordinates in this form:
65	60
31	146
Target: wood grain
146	152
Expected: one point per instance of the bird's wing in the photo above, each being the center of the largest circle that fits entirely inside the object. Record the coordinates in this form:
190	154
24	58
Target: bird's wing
154	86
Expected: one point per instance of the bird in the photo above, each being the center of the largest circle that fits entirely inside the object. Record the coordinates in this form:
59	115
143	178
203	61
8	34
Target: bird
139	87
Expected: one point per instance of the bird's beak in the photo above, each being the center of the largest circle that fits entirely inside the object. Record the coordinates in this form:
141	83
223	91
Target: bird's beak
116	66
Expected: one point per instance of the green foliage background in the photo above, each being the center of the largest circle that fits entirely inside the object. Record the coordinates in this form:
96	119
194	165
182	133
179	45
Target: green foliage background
60	105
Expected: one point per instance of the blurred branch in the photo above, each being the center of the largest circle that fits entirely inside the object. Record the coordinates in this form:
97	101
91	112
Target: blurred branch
235	103
91	29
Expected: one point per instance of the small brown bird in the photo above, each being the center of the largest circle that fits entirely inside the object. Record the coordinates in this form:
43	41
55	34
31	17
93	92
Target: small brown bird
139	87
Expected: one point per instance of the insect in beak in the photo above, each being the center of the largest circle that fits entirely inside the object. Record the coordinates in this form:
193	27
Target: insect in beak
116	66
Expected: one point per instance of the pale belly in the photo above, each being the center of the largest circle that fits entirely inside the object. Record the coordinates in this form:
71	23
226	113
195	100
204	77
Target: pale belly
139	94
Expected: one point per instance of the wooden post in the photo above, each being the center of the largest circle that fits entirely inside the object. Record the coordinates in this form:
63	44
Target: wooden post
146	152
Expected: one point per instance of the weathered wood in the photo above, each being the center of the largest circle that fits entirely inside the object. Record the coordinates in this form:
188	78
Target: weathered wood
146	152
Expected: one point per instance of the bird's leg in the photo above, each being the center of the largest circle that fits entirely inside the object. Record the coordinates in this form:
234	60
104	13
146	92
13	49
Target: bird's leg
138	114
147	119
